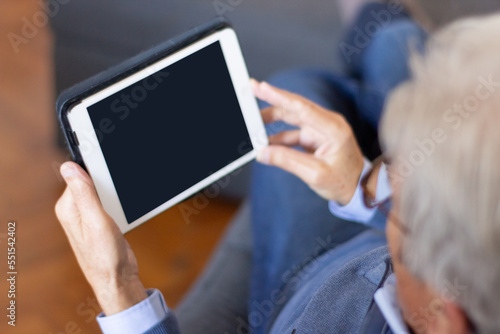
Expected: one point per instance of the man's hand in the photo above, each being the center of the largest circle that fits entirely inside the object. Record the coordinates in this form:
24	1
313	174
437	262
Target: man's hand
100	248
332	162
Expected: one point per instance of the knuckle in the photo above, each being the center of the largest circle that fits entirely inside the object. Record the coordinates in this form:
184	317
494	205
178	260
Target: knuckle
278	113
341	120
275	155
341	127
59	209
304	107
61	206
297	107
81	190
78	185
298	104
318	176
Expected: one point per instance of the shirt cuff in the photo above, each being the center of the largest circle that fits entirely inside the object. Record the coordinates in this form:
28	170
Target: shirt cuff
384	189
136	319
356	209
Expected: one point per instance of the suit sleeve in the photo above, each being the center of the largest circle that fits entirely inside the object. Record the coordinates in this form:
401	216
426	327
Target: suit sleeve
151	316
166	326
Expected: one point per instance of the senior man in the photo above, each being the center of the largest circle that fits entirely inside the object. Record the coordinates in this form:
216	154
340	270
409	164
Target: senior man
437	183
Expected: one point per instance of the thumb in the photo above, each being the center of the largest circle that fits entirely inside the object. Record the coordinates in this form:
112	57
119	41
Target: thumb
82	190
304	165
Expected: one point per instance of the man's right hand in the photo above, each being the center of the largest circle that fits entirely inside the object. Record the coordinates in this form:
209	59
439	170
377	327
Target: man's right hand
100	248
332	162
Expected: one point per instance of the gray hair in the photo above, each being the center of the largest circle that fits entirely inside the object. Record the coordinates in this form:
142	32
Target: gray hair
442	128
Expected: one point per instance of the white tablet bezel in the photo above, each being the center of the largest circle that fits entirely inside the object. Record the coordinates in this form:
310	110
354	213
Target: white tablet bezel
92	155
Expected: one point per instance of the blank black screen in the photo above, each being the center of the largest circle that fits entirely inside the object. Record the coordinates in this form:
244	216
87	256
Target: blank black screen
171	130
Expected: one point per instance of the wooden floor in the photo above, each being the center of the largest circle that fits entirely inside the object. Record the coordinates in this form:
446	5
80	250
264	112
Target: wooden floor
51	293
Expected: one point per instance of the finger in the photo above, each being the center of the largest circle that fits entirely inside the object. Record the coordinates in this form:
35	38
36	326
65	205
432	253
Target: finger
82	191
287	138
70	169
275	96
275	114
292	138
301	164
66	209
267	115
289	107
67	213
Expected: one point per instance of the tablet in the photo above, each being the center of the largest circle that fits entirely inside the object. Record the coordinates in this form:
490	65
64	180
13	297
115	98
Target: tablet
156	134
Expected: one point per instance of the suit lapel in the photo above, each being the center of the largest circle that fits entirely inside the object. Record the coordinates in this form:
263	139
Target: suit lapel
374	322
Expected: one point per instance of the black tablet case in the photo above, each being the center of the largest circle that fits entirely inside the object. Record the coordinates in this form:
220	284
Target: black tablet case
77	93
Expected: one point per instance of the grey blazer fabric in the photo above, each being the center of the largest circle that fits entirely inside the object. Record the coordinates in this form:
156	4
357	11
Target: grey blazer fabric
342	303
374	322
338	304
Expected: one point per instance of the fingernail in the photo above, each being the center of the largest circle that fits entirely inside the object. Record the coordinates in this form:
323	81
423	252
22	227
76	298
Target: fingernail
67	171
263	156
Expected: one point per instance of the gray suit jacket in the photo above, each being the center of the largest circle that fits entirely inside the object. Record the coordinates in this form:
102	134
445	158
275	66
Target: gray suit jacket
374	323
343	302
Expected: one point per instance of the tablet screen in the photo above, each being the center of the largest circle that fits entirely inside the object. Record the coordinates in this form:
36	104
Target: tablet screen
171	130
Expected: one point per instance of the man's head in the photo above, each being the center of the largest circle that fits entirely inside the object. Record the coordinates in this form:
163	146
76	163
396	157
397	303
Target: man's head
441	131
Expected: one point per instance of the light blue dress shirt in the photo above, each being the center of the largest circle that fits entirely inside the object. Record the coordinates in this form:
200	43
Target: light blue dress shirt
137	319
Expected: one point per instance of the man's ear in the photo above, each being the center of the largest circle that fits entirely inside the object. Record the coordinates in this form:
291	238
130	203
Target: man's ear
450	319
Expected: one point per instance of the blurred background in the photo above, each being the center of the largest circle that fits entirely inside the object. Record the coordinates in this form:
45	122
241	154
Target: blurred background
45	48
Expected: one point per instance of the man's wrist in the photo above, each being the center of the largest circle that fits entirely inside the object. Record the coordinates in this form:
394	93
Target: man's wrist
372	181
139	318
354	210
353	184
120	295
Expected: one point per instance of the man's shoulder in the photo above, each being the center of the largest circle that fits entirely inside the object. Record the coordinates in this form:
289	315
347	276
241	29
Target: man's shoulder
340	296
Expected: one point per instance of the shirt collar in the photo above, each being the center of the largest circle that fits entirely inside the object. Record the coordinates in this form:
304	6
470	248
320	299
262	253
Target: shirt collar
387	302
